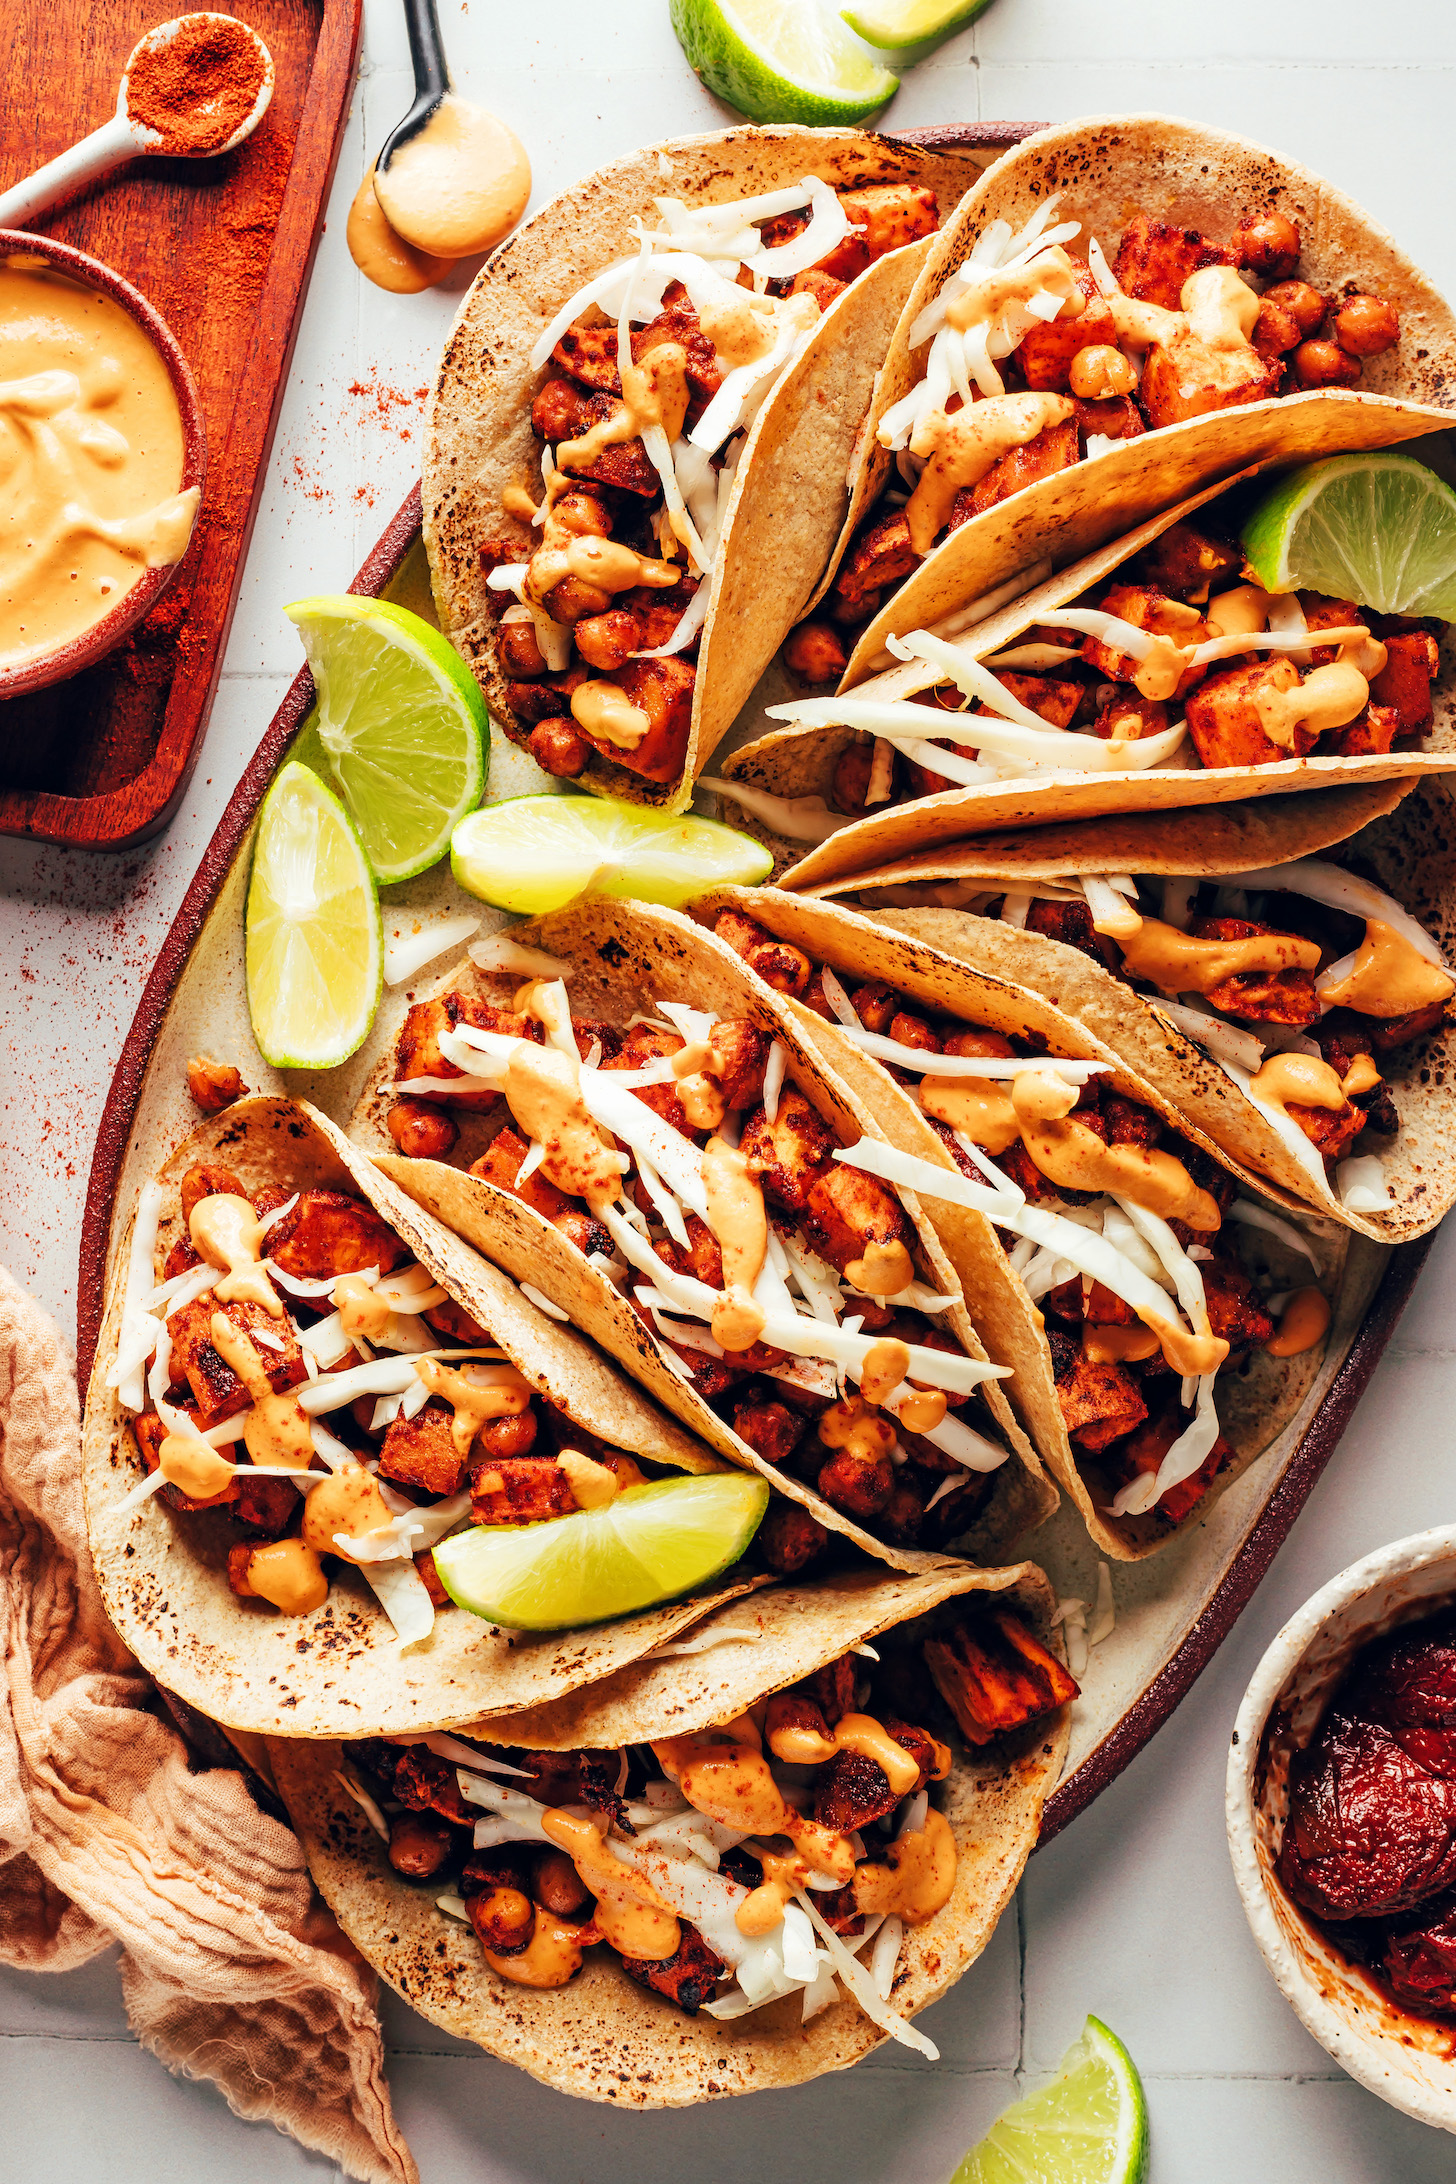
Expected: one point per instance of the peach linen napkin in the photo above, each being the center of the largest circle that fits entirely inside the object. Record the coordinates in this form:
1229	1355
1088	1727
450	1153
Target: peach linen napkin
231	1969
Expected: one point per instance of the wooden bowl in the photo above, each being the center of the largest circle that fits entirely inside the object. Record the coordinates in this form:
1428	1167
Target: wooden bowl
102	637
1407	2059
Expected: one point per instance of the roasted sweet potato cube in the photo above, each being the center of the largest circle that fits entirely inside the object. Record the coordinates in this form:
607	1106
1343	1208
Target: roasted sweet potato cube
687	1978
332	1232
216	1388
742	1051
1330	1130
1056	701
622	463
1071	924
1269	997
852	1791
1154	260
789	1154
881	555
1404	683
1186	561
1224	722
994	1676
420	1451
1099	1403
1235	1313
519	1490
832	1688
589	354
1045	353
423	1782
1114	417
1371	734
1146	608
430	1579
846	1211
418	1052
1058	448
663	690
500	1164
265	1508
1190	378
887	215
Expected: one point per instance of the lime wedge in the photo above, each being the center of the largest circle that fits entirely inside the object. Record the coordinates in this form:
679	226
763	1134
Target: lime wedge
314	948
911	26
650	1544
782	60
403	724
1089	2126
537	853
1378	529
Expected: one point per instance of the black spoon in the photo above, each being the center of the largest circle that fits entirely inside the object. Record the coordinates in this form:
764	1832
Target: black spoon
432	77
468	182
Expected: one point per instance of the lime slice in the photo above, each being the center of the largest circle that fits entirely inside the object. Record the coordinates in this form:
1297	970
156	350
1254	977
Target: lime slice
314	948
1378	529
649	1544
537	853
403	724
782	60
1089	2126
911	26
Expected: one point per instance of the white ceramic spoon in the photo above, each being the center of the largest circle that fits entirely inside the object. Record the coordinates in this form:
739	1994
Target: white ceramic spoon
122	138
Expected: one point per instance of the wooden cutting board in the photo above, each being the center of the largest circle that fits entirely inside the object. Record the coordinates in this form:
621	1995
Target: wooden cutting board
223	248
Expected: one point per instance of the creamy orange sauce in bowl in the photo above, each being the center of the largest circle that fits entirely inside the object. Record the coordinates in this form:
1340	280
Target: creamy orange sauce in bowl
102	456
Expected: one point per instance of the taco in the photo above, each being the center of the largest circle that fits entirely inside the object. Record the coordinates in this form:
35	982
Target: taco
1123	309
1151	675
750	1866
583	528
1295	974
638	1128
276	1291
1126	1267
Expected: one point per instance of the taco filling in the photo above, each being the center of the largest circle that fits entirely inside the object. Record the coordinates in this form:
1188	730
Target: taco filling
1178	659
1112	1222
297	1372
1038	359
783	1851
655	370
784	1286
1299	980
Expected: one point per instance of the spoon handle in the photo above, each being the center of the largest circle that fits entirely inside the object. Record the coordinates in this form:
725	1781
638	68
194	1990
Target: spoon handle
427	49
96	154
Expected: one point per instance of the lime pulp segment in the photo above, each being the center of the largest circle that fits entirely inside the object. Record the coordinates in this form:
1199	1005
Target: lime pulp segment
403	724
1379	529
533	854
782	60
314	949
647	1545
1089	2126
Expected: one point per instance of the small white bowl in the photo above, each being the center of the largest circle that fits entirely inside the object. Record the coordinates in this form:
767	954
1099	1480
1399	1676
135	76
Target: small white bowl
1408	2060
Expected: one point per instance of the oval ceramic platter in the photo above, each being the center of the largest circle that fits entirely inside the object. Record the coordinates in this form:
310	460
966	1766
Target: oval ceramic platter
1172	1610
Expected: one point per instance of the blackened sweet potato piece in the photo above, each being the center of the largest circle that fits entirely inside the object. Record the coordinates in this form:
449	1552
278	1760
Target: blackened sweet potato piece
1186	561
855	1488
1053	699
1190	378
500	1164
1404	683
852	1791
1071	924
846	1211
663	690
265	1507
1224	723
789	1154
519	1490
687	1978
1270	997
1154	260
1045	354
1235	1313
332	1232
995	1676
703	1258
1056	449
887	215
882	555
1114	417
420	1451
216	1388
742	1051
1099	1402
772	1430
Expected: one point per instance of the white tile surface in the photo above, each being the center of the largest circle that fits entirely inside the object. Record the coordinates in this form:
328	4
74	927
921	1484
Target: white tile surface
1132	1913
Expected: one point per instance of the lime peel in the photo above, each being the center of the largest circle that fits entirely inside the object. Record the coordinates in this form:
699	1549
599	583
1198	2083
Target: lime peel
534	854
648	1545
778	63
1089	2126
1378	528
402	723
313	939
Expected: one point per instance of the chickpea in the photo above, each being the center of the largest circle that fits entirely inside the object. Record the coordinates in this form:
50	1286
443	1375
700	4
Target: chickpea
1099	372
858	1489
502	1918
1276	330
419	1844
214	1085
501	1437
558	748
1305	305
1268	243
815	653
521	656
1325	364
421	1130
1366	325
557	1885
